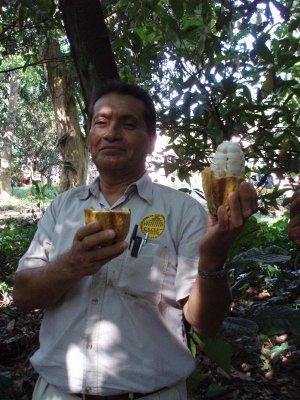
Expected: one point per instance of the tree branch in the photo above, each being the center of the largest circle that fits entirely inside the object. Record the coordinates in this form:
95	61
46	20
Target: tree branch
40	62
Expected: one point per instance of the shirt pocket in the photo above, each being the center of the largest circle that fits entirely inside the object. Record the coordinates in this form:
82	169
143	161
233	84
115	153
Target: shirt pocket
143	276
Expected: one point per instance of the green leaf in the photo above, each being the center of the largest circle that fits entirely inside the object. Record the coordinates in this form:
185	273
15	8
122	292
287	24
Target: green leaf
6	384
217	349
215	390
263	51
177	7
294	25
277	350
279	319
237	327
247	93
193	349
172	29
194	380
183	175
268	85
268	255
250	228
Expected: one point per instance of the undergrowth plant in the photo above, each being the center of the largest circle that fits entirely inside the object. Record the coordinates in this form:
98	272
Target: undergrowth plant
14	241
42	194
265	279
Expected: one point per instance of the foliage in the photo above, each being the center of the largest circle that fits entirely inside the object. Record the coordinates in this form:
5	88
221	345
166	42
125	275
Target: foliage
16	234
258	232
14	241
218	70
27	26
266	288
23	200
41	194
215	347
35	141
5	386
23	24
21	192
278	319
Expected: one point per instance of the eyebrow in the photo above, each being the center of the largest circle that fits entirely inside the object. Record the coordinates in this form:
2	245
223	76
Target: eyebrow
129	116
123	117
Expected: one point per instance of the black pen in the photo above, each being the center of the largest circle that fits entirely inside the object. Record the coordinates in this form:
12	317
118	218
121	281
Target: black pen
133	235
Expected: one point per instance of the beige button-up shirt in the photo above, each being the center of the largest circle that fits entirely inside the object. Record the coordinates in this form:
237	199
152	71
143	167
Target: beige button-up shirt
120	330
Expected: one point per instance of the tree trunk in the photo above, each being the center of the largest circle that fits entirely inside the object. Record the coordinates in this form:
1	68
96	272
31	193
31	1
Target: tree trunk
8	135
71	140
89	41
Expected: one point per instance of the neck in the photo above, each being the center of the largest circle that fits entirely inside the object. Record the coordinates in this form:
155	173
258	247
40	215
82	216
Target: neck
113	187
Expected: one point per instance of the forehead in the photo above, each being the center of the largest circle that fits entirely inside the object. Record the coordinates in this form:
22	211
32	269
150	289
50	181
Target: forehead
116	103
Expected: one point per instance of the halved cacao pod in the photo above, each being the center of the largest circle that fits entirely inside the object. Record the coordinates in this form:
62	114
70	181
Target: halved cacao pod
118	220
216	190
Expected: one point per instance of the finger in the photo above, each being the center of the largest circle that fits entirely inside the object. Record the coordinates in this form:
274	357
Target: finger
98	239
91	261
248	199
236	215
87	230
222	219
105	254
211	220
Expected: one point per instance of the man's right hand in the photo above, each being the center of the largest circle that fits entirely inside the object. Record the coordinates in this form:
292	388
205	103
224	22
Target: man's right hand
91	249
44	286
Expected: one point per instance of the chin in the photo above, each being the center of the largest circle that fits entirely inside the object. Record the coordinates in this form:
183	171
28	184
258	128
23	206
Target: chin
110	165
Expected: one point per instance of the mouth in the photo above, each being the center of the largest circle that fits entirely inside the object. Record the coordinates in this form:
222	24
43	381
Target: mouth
111	149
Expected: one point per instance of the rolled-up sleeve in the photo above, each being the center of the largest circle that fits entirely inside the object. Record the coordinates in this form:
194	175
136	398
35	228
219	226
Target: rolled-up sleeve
37	254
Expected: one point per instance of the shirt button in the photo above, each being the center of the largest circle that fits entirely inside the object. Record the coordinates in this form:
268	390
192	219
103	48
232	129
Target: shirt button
95	301
89	346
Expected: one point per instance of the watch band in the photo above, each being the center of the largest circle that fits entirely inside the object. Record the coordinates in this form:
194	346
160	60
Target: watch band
212	274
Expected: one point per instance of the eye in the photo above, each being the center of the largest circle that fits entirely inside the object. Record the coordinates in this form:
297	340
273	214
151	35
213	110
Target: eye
129	125
100	122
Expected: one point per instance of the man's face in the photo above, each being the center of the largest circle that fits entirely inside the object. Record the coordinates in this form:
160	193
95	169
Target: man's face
118	139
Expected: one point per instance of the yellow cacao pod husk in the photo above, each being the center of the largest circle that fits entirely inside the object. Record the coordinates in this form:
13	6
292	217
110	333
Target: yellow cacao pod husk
216	190
118	220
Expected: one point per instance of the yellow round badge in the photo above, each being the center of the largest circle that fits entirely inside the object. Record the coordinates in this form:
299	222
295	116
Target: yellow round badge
154	225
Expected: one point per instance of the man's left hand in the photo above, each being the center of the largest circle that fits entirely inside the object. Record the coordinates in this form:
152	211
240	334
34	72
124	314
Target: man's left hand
223	230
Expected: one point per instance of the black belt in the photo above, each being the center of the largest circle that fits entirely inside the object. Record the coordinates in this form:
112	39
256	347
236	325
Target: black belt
125	396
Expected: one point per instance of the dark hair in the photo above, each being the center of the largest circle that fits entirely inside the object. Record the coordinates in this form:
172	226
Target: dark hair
117	86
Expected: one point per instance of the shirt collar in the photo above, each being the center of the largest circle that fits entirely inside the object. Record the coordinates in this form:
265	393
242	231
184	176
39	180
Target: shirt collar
90	190
143	186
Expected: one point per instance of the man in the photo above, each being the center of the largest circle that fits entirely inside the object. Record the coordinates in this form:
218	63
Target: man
113	323
294	224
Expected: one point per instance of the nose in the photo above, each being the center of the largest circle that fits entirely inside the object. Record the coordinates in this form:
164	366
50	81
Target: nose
113	132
